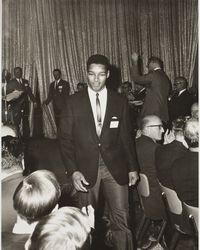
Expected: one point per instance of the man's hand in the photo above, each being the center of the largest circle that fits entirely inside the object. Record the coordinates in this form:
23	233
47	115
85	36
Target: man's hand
168	137
79	181
134	57
133	177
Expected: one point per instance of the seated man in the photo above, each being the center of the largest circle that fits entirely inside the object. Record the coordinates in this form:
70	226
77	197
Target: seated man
36	196
146	145
181	102
185	169
11	175
195	110
67	228
166	154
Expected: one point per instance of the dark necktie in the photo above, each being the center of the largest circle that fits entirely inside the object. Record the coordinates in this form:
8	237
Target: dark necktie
98	109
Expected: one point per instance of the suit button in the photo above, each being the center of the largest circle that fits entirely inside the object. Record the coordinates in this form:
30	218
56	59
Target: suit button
99	144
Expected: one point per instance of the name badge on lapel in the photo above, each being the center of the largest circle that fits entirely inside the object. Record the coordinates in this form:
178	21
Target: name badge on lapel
114	122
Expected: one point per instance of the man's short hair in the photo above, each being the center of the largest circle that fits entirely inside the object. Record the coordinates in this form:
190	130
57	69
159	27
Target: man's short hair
18	68
128	83
182	80
58	70
67	228
156	60
191	133
37	195
98	59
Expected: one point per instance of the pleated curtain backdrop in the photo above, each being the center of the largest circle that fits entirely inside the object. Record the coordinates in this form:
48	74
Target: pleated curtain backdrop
40	35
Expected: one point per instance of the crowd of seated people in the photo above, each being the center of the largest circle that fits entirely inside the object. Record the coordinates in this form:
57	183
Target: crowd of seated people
172	161
37	196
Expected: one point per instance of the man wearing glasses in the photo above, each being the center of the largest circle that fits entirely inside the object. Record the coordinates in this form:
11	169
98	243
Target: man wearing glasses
146	144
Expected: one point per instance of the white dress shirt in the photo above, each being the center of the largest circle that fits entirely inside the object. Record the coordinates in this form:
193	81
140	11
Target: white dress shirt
103	103
183	90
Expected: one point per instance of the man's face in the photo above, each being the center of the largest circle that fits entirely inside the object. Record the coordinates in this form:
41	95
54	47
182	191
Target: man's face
126	88
195	111
56	75
178	85
18	73
155	128
97	75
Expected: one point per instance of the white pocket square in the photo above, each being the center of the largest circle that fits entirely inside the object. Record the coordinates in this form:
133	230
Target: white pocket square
114	124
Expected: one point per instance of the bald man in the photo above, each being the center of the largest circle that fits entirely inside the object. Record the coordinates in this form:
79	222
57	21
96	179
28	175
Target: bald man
195	110
146	146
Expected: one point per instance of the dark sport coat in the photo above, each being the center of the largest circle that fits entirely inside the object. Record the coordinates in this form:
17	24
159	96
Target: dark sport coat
58	95
80	145
157	86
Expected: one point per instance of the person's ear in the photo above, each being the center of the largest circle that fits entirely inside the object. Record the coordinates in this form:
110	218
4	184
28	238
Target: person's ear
108	73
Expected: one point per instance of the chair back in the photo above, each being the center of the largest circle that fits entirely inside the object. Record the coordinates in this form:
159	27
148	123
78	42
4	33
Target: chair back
192	212
143	186
174	204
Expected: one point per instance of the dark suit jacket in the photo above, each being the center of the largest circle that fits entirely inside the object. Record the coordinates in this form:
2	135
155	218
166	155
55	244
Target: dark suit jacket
145	148
157	86
58	95
164	158
180	105
15	85
44	153
81	146
185	178
21	103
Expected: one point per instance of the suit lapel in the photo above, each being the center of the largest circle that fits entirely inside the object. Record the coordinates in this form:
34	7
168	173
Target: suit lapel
108	112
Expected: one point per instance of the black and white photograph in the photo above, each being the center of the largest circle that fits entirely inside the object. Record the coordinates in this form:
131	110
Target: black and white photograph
99	124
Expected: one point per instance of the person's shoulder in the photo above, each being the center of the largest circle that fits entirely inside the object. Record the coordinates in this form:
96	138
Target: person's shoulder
115	95
78	96
64	82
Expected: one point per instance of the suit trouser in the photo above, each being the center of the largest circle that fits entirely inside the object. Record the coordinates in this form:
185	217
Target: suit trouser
116	198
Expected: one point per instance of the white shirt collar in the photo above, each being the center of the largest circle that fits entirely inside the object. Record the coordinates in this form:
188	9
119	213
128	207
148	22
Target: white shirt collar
180	92
157	68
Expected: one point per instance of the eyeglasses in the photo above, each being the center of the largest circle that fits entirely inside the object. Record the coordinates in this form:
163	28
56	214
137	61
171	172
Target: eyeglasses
159	125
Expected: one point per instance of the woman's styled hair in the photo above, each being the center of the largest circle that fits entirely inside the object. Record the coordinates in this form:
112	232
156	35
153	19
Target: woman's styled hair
66	229
191	133
37	195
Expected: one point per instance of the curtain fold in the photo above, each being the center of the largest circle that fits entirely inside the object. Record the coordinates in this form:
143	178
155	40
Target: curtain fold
42	35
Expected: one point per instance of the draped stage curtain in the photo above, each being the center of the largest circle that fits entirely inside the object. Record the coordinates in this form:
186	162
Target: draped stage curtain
40	35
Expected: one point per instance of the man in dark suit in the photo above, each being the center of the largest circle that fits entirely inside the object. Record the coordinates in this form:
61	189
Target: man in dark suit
185	170
97	148
58	93
168	153
146	146
181	102
157	86
20	105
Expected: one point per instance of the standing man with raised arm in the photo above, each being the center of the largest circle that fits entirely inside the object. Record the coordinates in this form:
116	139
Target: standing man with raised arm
157	86
98	150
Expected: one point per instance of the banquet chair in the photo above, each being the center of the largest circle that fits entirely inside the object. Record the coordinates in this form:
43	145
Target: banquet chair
175	215
144	192
193	217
